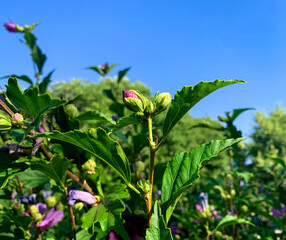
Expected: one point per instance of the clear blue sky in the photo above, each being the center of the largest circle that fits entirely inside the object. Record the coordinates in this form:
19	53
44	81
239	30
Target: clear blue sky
168	44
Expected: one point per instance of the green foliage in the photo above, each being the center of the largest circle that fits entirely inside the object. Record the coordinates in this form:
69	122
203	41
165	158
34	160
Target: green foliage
183	170
186	98
158	229
269	135
30	100
231	220
56	168
98	143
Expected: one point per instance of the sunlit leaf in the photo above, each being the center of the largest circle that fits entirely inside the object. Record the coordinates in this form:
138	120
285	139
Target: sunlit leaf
158	229
186	98
183	170
98	143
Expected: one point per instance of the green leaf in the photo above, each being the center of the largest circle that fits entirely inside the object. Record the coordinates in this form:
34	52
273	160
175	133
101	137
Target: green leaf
231	220
98	143
37	56
64	121
158	229
83	235
237	112
108	215
22	77
46	81
117	191
30	100
94	115
33	178
186	98
121	74
109	93
183	170
97	69
56	168
208	126
9	167
124	121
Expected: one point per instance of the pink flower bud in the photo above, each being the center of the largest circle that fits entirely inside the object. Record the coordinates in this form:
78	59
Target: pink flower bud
17	119
129	94
11	26
132	101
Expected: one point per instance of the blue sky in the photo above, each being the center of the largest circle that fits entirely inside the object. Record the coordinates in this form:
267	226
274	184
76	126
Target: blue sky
168	44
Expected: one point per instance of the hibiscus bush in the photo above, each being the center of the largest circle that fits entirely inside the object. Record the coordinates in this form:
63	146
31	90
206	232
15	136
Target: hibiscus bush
70	174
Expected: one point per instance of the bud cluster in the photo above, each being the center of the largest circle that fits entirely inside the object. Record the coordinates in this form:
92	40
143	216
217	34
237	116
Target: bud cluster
143	106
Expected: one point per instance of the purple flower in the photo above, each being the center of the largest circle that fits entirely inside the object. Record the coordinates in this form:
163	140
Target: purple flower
112	236
80	196
11	26
277	213
199	207
31	199
46	194
42	208
52	218
174	229
204	199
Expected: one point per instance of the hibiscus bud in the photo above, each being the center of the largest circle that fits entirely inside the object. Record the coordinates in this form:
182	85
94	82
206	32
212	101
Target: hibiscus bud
222	119
149	110
241	146
11	26
17	119
144	185
89	166
244	208
51	201
232	192
162	101
132	100
71	110
38	217
5	121
140	166
78	206
219	234
34	210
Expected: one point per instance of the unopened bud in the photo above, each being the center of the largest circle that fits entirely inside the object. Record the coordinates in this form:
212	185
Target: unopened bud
58	196
162	101
241	146
221	118
60	206
5	121
219	234
149	110
1	207
38	217
78	206
89	166
34	210
71	110
144	185
17	119
140	166
51	201
132	100
244	208
232	192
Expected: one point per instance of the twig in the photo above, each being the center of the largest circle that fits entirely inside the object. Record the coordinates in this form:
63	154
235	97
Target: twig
71	214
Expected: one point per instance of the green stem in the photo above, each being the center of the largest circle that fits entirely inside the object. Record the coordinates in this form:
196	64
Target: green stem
151	173
134	189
